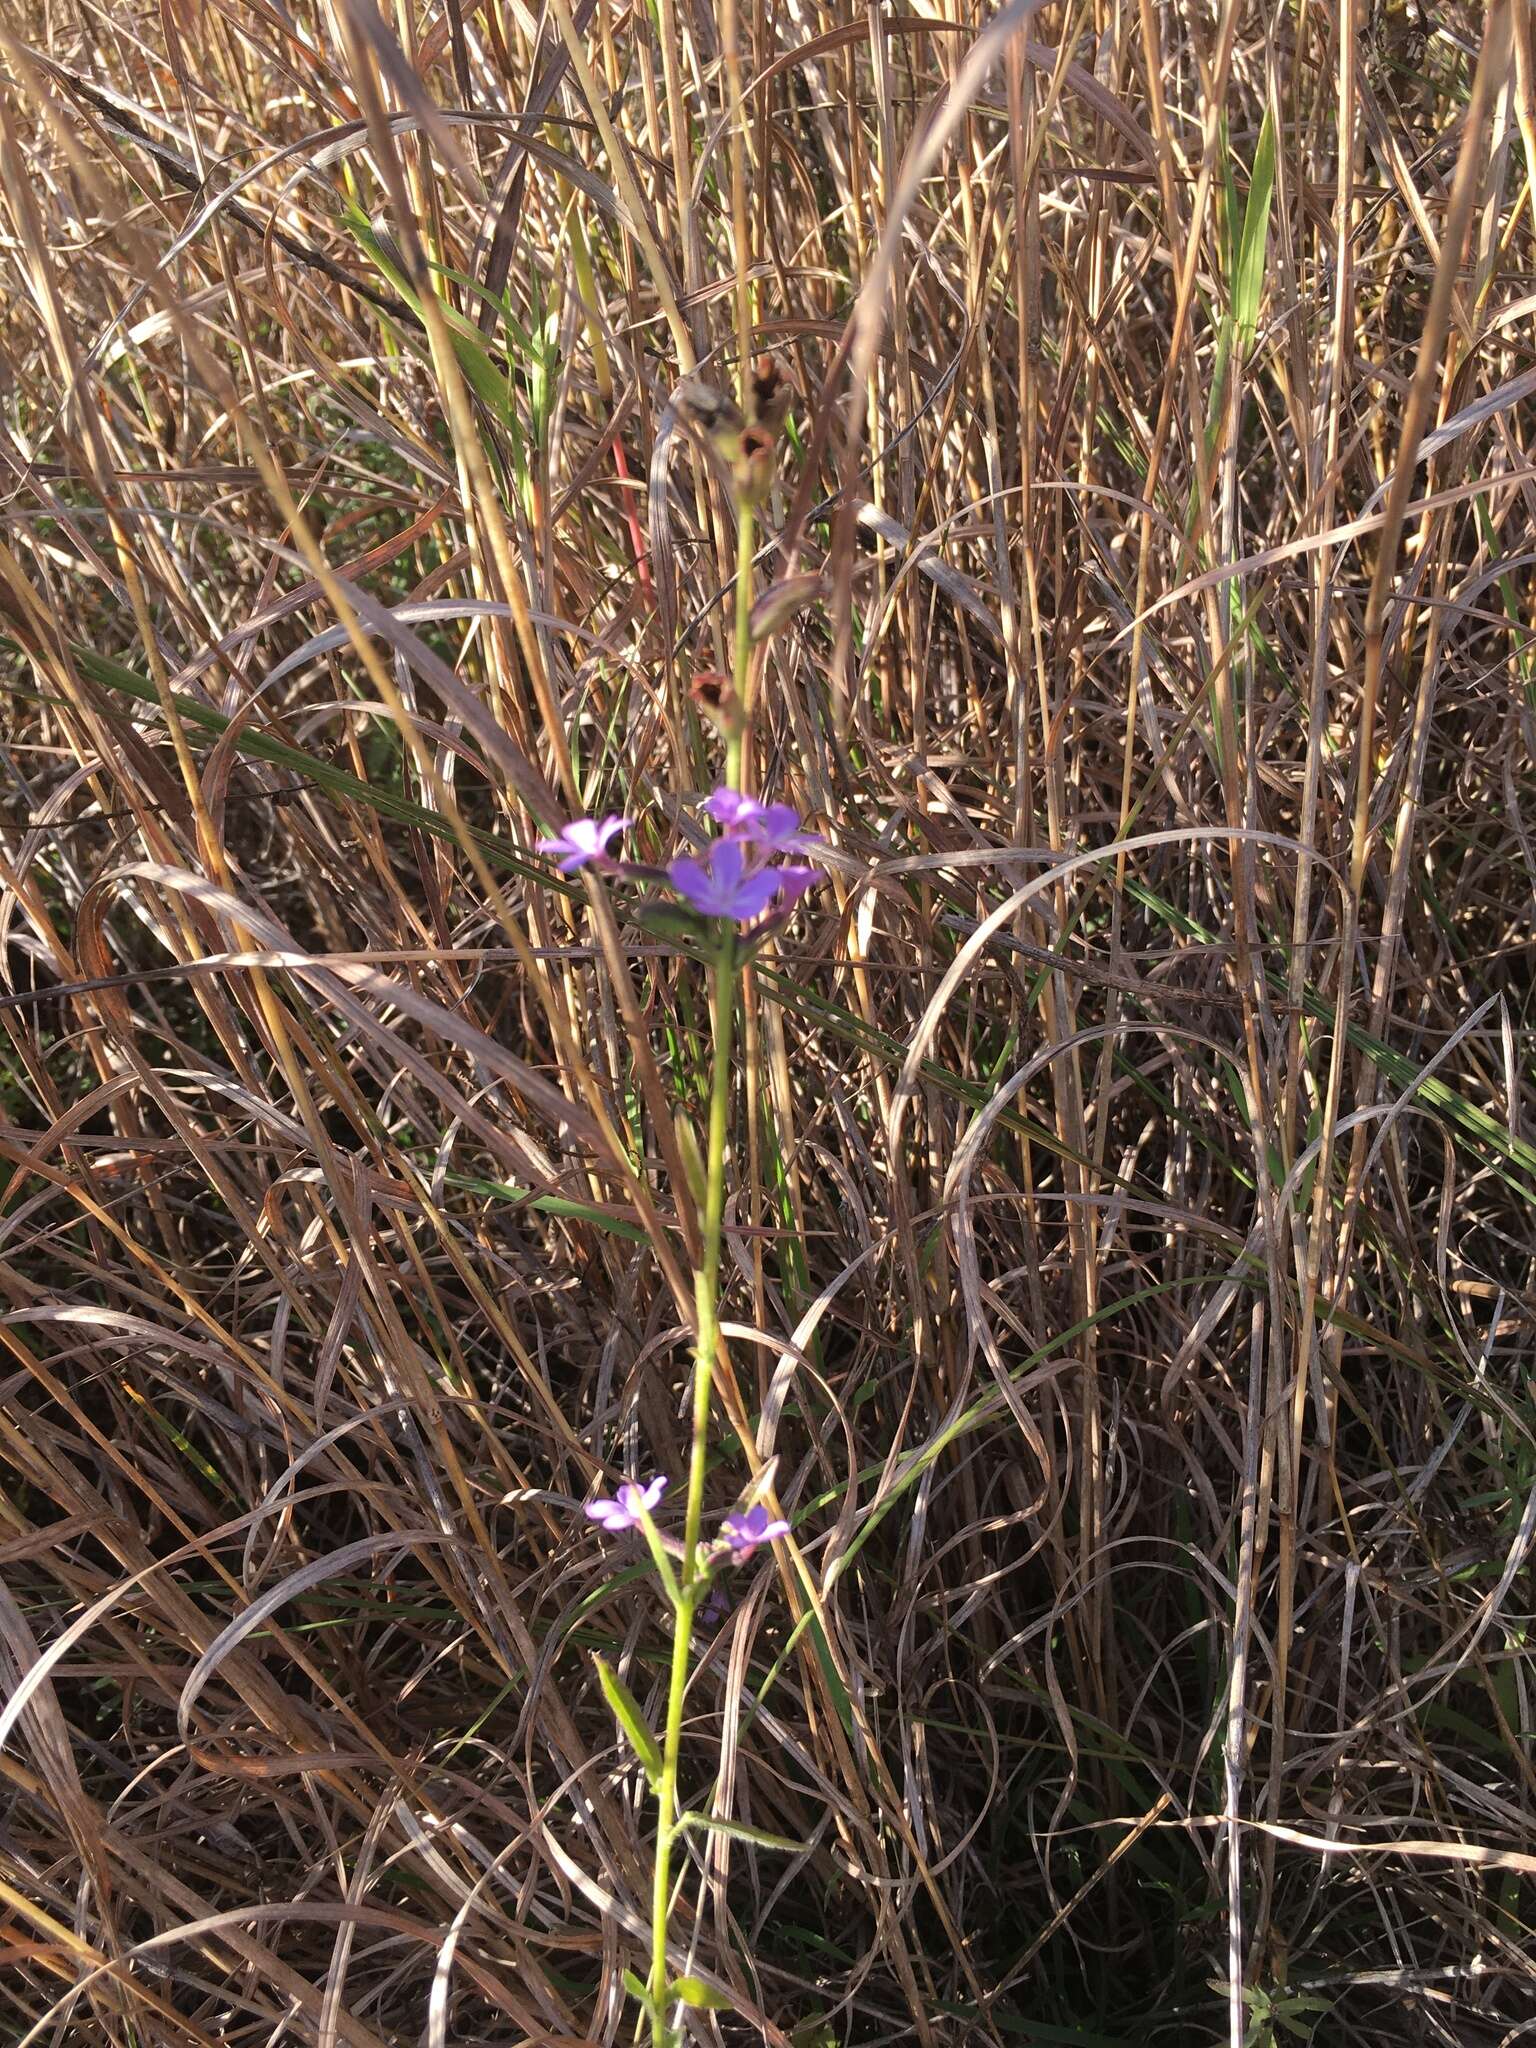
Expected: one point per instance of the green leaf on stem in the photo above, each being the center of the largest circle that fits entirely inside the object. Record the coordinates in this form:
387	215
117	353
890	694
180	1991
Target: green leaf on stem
740	1832
694	1991
626	1711
642	1997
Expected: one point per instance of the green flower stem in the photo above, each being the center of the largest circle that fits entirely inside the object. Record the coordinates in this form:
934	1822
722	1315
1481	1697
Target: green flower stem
746	536
706	1297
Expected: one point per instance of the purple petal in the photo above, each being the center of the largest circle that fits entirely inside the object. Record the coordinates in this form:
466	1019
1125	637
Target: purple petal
692	882
728	807
753	894
579	836
775	824
609	1514
639	1500
744	817
727	858
794	878
583	840
724	885
632	1503
745	1532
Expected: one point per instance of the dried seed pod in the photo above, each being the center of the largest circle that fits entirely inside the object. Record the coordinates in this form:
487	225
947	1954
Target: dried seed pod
715	695
710	413
747	446
755	462
769	393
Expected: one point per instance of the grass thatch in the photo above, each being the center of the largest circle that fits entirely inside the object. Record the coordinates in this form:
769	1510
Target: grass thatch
1130	1248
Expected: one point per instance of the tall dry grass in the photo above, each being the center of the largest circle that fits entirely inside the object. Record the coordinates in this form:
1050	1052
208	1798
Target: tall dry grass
1129	1249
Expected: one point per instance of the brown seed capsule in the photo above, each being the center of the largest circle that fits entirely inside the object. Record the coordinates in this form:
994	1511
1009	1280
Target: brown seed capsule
769	393
745	444
709	412
715	695
755	465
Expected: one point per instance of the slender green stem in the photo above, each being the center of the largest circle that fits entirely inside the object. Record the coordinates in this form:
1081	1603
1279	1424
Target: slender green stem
707	1319
706	1300
746	536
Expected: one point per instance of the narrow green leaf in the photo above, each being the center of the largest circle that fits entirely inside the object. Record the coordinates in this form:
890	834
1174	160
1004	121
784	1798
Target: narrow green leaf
829	1671
547	1205
1228	219
638	1992
489	383
1252	250
626	1711
694	1991
665	920
261	746
740	1832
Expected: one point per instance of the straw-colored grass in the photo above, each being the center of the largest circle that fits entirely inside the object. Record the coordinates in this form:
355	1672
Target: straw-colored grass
1129	1251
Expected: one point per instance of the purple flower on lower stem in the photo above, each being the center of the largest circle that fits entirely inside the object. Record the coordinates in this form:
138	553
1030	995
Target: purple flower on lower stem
745	1532
583	840
629	1508
775	827
722	885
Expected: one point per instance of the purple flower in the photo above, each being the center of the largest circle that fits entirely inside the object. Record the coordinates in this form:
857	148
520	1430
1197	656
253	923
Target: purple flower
583	840
794	879
745	1532
774	826
627	1510
721	884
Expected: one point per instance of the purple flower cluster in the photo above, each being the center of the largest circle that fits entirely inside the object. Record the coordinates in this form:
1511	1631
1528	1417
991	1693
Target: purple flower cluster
739	874
742	1534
